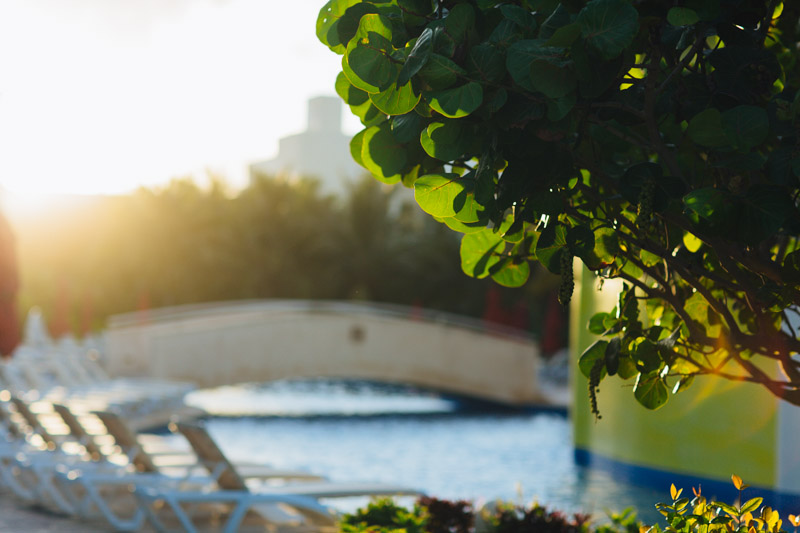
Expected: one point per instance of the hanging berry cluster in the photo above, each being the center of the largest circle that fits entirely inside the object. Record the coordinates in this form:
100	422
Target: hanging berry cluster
644	211
567	281
594	386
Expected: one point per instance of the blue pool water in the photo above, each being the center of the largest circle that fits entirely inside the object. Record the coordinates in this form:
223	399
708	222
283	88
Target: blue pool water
366	432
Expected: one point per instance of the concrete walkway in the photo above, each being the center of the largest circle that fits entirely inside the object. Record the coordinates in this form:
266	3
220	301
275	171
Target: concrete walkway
16	516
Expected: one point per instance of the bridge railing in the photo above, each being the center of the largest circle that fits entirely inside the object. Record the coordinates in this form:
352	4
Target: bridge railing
388	310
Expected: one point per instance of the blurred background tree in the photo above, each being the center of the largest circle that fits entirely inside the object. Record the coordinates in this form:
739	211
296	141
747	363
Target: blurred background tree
84	261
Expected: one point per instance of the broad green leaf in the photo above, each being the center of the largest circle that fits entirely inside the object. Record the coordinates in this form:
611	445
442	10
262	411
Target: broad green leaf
356	145
351	95
597	323
409	178
612	356
630	268
523	58
608	26
745	126
684	382
505	33
418	57
328	19
465	227
444	140
708	202
519	16
467	208
396	100
496	101
516	231
512	274
627	368
649	259
552	80
355	80
730	509
706	9
459	21
765	208
547	203
406	128
594	75
372	66
347	26
480	252
644	352
504	225
560	107
691	242
750	506
559	18
367	57
368	113
419	8
565	35
666	346
650	390
436	193
458	102
706	129
382	155
606	248
441	72
580	240
550	246
590	355
488	62
682	16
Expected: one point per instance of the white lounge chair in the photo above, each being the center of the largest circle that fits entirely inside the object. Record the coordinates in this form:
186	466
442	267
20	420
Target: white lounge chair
289	504
141	455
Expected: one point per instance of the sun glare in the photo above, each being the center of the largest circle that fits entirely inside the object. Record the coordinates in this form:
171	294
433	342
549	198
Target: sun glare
149	91
26	204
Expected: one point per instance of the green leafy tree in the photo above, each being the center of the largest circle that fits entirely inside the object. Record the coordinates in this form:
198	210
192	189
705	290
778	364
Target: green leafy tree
181	244
656	142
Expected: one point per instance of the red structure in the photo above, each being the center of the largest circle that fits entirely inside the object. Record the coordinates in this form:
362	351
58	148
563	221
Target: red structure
9	287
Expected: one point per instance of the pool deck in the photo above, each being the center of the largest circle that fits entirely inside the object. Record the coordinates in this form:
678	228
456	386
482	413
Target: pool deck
16	516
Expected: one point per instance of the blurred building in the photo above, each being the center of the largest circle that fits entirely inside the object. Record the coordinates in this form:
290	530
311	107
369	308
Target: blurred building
321	152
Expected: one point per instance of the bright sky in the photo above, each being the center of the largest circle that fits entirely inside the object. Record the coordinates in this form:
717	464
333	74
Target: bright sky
102	96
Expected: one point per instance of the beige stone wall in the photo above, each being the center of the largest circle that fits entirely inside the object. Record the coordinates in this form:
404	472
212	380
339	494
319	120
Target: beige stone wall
230	345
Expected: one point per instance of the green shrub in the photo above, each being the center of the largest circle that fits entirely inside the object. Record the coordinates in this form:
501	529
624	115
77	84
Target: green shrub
682	514
624	522
445	516
509	518
384	516
697	515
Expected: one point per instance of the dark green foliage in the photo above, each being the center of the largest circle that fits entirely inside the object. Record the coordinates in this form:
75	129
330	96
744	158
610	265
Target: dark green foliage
682	515
655	141
445	516
535	519
433	515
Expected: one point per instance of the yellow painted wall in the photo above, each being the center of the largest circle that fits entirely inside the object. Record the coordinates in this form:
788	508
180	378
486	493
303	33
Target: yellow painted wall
712	430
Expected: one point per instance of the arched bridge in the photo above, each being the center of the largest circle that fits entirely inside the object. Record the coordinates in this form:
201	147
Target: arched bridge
259	341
